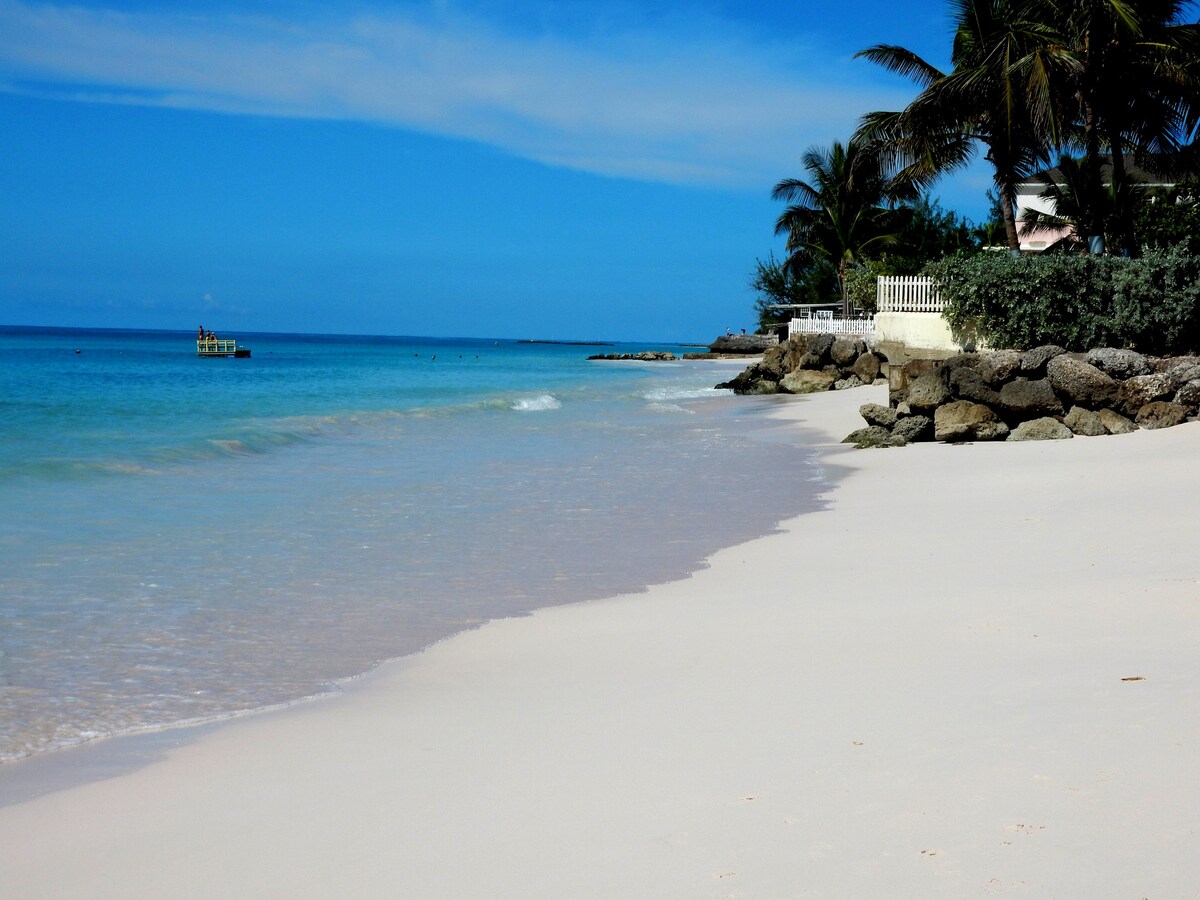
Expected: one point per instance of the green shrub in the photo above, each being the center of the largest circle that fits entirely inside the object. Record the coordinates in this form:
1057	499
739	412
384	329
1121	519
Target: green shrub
776	284
860	284
1156	301
1171	218
1077	302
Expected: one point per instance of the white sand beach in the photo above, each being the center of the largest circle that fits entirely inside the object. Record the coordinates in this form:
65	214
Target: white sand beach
926	690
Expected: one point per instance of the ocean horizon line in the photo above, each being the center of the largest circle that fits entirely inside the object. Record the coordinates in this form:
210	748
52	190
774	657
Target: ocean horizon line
350	336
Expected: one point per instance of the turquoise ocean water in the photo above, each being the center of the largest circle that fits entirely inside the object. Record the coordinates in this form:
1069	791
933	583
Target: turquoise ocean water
185	539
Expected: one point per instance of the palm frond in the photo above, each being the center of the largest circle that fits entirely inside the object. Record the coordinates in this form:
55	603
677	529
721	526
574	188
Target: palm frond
903	62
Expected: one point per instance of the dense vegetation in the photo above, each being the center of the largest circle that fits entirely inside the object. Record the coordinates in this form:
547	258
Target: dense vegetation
1106	90
905	238
1077	302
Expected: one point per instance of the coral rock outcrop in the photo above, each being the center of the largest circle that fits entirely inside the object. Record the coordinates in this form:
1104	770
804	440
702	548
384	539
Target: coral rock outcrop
1038	395
807	363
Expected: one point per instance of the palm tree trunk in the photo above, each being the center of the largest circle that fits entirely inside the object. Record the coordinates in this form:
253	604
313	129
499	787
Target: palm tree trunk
1010	219
1122	211
1093	226
1007	189
843	267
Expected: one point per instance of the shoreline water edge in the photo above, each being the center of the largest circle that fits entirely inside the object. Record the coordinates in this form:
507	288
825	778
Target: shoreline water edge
183	569
972	673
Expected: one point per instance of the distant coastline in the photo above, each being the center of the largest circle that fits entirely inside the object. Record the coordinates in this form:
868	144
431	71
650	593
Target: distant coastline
569	343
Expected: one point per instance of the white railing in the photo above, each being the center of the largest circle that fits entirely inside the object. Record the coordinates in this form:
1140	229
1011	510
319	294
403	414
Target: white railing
818	324
907	293
216	346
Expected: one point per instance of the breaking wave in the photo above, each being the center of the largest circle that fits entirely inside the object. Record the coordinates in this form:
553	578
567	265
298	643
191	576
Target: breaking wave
542	403
670	394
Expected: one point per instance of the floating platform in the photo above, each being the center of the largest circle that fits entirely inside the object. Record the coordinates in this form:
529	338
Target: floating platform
221	348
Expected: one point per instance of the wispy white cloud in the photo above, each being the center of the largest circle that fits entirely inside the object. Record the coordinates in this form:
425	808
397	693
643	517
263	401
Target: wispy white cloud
707	106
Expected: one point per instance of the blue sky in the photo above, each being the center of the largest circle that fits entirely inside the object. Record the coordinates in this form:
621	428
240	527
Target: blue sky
567	170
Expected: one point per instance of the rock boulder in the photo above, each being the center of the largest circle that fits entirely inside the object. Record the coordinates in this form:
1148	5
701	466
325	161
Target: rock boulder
1084	422
1044	429
1184	370
844	351
819	346
999	366
1114	422
873	436
1119	363
1139	390
773	364
1023	399
914	428
927	392
969	384
876	414
1162	414
1080	382
963	420
761	386
807	381
1033	362
866	367
1189	395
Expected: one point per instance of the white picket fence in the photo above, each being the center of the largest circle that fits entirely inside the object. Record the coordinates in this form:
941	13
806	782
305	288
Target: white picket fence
893	294
907	293
818	324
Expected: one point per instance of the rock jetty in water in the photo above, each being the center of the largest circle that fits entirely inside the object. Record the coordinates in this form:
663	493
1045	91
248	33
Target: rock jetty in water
644	356
744	344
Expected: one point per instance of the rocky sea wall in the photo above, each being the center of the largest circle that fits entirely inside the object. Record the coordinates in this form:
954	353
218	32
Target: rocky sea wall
809	363
1041	394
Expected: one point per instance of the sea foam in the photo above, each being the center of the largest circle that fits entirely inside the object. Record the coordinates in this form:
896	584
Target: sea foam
542	403
672	393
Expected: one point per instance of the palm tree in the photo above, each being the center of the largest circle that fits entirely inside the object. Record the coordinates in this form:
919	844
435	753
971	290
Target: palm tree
1125	75
1031	77
1081	204
842	213
985	99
